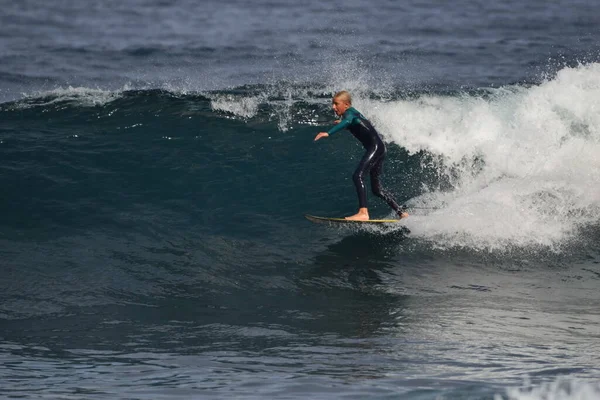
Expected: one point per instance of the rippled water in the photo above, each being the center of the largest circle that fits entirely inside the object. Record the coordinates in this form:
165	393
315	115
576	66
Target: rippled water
157	158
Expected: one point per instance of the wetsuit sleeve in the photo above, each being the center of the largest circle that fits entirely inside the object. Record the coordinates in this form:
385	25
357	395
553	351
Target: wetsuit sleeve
347	120
342	125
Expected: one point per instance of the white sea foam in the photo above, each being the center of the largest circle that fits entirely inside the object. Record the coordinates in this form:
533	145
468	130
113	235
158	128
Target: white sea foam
561	389
523	161
280	100
82	96
245	107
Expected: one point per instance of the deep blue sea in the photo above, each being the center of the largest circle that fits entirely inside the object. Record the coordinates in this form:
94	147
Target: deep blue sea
157	160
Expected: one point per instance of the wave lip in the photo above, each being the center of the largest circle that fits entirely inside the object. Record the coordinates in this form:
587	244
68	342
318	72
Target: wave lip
520	161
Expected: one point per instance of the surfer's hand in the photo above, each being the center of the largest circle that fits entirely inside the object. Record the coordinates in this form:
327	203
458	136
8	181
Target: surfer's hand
321	135
337	121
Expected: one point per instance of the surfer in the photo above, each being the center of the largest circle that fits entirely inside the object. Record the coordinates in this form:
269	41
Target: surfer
372	160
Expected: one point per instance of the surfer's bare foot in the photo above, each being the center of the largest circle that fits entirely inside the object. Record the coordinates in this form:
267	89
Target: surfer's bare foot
403	214
361	215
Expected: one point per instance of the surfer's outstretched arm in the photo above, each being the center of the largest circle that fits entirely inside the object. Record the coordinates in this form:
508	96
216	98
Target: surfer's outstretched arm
343	124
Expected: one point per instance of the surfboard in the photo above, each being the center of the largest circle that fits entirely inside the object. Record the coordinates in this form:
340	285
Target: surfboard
328	220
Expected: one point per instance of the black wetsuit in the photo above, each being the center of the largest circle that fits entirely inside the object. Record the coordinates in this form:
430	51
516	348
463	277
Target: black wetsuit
372	160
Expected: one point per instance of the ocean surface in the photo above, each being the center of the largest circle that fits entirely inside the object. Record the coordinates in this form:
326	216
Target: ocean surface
157	160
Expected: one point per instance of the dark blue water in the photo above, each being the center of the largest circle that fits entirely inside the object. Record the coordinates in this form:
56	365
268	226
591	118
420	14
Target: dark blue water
156	160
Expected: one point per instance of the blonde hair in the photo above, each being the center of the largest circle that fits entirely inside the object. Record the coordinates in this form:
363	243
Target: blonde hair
343	95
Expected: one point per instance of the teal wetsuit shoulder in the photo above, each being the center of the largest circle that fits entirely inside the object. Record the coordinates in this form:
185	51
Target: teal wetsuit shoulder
349	118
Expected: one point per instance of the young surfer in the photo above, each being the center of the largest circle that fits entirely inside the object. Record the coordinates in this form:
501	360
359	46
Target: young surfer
372	160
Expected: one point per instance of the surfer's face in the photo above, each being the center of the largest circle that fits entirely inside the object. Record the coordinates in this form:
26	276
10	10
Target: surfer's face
340	106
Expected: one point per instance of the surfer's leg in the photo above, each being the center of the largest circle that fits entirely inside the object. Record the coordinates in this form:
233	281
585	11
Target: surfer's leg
378	189
359	182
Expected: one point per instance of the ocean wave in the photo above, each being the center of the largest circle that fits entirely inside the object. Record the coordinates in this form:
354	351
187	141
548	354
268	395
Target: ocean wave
488	169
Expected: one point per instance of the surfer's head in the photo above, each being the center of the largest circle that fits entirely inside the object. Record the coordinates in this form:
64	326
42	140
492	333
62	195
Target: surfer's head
341	102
